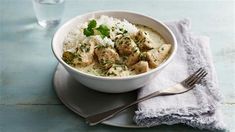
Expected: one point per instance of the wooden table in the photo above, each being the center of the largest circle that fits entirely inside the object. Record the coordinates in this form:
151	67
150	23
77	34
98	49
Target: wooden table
27	99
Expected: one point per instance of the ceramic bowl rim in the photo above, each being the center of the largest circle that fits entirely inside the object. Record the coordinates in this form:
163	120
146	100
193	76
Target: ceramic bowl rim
53	45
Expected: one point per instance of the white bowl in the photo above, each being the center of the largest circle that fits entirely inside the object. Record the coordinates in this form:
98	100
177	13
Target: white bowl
113	84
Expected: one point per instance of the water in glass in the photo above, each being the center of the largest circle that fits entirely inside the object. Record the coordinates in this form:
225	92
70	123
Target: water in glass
48	12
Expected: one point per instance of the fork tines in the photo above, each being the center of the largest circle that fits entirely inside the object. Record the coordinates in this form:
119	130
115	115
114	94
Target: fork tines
195	77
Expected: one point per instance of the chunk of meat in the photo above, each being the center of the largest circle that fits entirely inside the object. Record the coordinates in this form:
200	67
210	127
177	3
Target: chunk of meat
157	56
68	57
106	56
94	41
125	45
118	70
82	56
140	67
143	41
133	58
85	53
84	59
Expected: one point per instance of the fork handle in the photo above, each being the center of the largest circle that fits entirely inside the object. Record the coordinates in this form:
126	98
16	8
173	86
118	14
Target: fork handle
97	118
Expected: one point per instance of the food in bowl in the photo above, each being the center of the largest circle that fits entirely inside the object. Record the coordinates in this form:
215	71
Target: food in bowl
111	47
110	84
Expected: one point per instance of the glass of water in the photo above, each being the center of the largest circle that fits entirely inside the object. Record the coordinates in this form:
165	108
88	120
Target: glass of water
48	12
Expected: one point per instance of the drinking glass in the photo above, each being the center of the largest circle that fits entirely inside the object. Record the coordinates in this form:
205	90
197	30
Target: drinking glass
48	12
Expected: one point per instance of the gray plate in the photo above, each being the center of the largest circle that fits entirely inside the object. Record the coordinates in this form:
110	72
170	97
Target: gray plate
85	101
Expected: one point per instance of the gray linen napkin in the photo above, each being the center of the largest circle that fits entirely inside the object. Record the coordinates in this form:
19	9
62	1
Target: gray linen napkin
198	107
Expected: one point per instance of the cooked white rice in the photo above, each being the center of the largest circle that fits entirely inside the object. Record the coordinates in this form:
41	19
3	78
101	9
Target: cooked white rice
76	36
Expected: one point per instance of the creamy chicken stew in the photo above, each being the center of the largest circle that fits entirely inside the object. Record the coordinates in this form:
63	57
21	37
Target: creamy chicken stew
117	48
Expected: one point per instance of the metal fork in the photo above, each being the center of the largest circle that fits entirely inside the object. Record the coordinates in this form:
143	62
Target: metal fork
179	88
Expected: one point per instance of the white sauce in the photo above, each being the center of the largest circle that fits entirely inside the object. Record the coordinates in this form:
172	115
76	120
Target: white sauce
155	37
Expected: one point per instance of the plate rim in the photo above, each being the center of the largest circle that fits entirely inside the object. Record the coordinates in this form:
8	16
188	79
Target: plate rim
79	113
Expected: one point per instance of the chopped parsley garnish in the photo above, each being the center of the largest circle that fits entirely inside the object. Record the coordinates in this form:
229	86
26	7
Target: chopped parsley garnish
92	24
135	49
143	56
125	31
102	46
103	29
85	47
78	56
89	30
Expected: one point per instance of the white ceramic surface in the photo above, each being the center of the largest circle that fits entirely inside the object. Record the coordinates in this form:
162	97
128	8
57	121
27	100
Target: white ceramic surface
114	84
84	101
